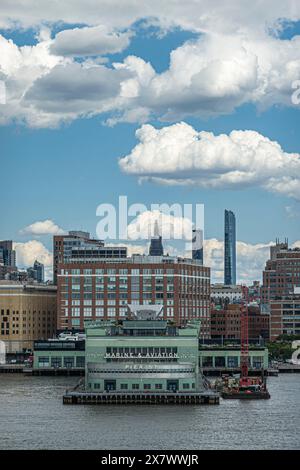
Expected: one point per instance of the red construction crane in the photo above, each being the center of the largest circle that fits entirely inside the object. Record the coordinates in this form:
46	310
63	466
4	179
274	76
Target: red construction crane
244	338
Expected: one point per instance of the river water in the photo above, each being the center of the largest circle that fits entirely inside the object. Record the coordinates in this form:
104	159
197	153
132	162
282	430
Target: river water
32	416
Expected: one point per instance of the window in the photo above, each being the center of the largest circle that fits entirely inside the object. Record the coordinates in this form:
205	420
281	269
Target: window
147	386
43	361
69	362
207	361
124	386
96	386
80	361
232	361
56	362
99	311
135	386
158	386
75	312
186	386
219	361
111	311
87	312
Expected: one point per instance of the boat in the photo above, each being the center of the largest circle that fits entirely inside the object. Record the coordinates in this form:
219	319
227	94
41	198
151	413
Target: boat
251	388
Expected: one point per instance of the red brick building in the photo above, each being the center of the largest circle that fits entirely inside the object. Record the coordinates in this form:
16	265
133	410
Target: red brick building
90	288
282	272
285	315
226	322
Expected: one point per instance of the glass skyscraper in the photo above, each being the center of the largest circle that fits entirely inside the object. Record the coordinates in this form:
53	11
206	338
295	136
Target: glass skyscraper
229	249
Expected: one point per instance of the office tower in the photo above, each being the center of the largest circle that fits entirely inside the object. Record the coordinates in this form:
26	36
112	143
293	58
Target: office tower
229	249
156	246
78	246
103	288
7	259
7	254
31	274
197	245
39	269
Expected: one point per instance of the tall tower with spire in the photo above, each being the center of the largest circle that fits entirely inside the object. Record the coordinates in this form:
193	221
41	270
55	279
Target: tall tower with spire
156	246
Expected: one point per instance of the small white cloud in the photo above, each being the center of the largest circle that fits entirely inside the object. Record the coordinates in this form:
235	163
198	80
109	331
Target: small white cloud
45	227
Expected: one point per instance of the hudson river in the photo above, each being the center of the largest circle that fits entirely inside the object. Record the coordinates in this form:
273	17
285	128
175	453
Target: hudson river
32	416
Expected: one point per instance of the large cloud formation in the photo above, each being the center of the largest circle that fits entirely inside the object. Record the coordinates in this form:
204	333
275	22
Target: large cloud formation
178	154
236	58
194	15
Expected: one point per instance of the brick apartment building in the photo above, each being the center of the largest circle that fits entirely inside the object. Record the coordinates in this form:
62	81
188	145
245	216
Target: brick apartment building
99	283
282	272
226	322
285	315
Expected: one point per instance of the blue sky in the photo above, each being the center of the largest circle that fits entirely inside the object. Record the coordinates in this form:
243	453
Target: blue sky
63	173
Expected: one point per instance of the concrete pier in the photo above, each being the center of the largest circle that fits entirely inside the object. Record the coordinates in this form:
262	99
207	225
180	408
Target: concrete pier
117	398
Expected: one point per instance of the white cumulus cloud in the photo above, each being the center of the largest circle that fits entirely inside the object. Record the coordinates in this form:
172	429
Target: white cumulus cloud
212	74
30	251
43	227
169	226
178	154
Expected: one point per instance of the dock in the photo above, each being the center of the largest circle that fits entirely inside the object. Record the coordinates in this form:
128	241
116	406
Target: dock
11	368
131	398
219	371
55	371
288	368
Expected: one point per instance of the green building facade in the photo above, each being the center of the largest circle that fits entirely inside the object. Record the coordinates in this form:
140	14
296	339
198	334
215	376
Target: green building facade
56	354
230	357
144	353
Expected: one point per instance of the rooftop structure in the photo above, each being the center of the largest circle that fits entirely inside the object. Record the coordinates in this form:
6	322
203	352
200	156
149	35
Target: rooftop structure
78	247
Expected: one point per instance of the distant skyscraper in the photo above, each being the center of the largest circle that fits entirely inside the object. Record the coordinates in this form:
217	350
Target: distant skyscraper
7	258
197	245
156	247
229	249
39	269
7	254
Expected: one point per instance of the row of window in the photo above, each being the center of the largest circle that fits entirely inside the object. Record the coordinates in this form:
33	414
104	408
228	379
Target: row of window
57	362
124	386
125	271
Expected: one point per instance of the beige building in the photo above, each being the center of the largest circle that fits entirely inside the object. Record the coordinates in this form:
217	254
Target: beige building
27	313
